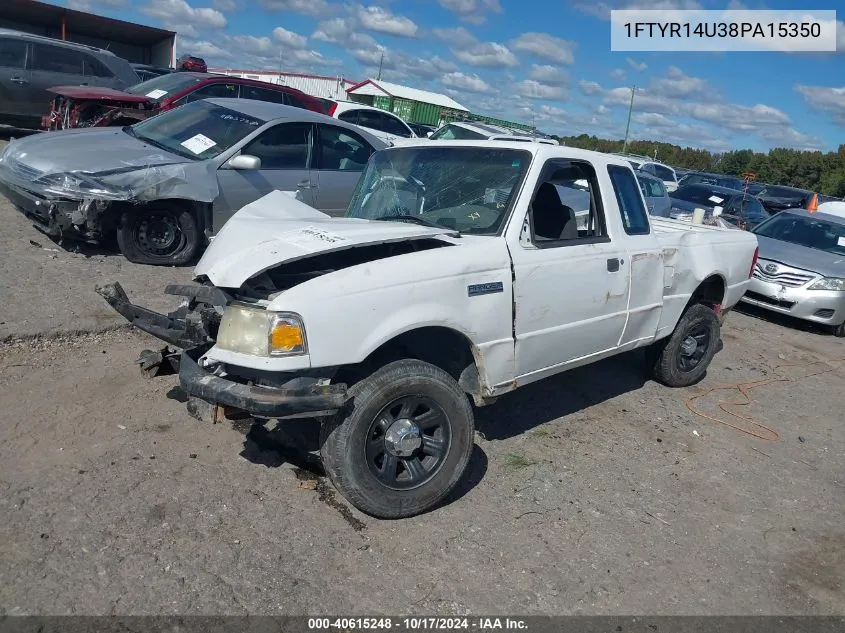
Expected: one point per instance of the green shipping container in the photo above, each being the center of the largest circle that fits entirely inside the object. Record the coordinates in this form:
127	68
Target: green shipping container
426	113
383	102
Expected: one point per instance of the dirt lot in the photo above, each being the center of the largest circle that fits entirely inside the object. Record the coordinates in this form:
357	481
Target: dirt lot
594	492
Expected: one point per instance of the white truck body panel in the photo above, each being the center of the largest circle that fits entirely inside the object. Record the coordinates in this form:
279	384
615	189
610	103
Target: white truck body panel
556	308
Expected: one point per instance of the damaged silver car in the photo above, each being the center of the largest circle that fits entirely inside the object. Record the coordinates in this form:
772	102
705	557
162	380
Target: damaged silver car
165	185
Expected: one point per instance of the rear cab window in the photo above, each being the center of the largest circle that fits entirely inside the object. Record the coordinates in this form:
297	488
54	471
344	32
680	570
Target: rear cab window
631	207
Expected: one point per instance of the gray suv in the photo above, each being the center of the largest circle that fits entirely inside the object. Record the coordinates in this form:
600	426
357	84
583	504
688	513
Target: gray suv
30	64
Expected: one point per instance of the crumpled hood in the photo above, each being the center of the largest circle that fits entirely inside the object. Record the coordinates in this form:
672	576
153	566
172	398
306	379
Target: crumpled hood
90	150
820	262
104	164
277	229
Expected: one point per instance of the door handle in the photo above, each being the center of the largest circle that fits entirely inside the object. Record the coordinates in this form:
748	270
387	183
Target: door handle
613	264
19	80
304	184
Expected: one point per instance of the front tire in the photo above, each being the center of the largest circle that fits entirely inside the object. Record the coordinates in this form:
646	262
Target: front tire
838	330
403	444
683	358
158	234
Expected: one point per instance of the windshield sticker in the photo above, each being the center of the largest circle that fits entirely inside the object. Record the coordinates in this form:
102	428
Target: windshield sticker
198	144
156	94
240	119
840	241
716	199
515	163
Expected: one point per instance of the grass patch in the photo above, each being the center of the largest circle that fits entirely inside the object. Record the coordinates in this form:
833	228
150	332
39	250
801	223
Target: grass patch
541	431
515	461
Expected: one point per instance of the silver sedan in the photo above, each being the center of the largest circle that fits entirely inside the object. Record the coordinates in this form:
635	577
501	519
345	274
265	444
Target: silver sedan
801	267
163	186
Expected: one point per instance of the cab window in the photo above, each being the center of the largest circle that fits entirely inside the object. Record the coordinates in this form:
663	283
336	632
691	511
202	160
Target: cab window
634	214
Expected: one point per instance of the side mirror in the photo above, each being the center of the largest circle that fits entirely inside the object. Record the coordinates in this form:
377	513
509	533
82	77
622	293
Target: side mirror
244	161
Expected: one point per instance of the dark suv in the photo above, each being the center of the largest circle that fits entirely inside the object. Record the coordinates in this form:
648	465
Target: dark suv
30	64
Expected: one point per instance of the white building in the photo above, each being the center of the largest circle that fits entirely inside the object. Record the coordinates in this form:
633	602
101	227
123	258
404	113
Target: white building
315	85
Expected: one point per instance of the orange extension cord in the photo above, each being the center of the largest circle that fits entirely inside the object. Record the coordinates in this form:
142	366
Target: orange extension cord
755	428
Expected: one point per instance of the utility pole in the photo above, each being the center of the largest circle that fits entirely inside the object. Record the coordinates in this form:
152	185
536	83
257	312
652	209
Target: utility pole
628	125
380	64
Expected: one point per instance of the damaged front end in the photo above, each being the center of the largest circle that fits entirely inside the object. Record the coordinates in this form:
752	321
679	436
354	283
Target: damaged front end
84	203
218	391
67	112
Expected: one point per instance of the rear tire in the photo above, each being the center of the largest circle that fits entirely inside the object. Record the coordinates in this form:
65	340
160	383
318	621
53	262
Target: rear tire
158	234
838	330
404	442
682	359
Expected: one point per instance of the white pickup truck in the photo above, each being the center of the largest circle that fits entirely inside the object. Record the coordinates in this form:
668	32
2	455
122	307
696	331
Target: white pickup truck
457	275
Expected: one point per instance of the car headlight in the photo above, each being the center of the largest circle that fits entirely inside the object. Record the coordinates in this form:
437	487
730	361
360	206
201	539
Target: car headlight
829	283
258	332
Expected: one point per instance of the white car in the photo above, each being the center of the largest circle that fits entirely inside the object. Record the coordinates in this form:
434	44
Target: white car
653	168
457	275
380	123
474	131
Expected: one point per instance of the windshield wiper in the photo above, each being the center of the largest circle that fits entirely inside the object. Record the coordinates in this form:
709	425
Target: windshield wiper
416	220
130	131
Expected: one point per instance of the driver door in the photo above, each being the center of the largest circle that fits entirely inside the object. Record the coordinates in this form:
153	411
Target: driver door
286	152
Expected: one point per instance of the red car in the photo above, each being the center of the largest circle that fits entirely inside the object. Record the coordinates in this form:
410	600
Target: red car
90	106
189	62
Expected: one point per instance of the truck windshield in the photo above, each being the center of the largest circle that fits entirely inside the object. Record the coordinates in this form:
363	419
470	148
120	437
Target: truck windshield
469	189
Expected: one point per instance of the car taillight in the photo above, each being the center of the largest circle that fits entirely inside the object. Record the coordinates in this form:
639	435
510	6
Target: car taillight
331	109
754	261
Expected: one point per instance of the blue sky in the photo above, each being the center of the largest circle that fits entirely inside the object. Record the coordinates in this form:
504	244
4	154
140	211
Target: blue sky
546	61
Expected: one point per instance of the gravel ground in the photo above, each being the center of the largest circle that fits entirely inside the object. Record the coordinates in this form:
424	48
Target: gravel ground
594	492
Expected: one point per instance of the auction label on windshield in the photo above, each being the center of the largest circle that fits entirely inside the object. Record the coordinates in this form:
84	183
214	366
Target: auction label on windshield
156	94
729	30
198	143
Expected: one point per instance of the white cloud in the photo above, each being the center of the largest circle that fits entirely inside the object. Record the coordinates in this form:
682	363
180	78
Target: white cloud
677	85
825	99
305	7
205	49
458	37
638	66
488	55
532	89
589	87
93	5
617	73
381	20
180	16
545	46
602	9
550	75
468	83
790	137
289	38
472	11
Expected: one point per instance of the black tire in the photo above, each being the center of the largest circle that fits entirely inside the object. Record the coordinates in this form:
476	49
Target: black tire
838	330
671	361
350	441
158	234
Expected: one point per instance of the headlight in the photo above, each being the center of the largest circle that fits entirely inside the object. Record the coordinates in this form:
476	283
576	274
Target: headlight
829	283
258	332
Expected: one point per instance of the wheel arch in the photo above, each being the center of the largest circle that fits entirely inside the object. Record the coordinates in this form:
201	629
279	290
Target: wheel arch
710	292
447	348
